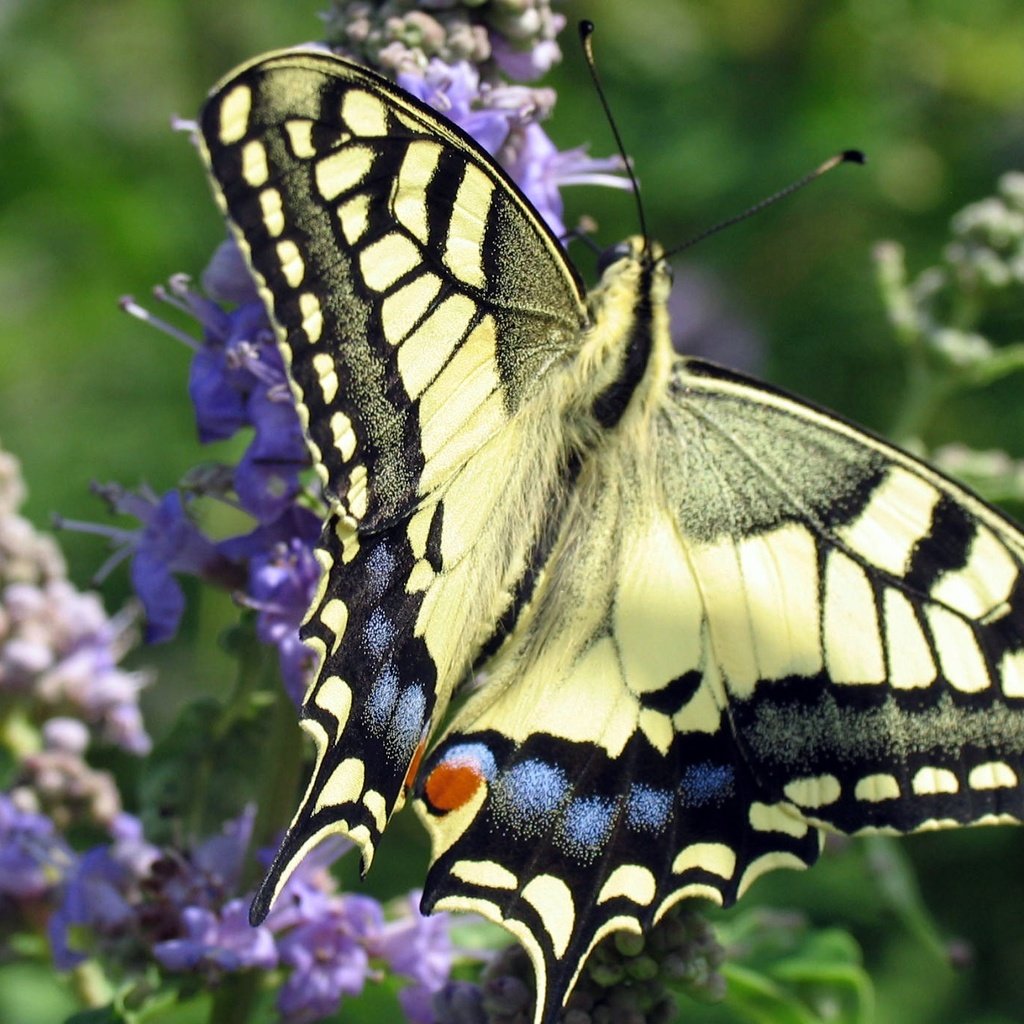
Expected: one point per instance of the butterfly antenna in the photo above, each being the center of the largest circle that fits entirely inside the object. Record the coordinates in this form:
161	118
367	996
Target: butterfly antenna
847	156
586	33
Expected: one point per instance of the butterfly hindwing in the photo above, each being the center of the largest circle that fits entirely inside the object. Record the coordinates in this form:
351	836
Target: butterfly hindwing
881	681
790	627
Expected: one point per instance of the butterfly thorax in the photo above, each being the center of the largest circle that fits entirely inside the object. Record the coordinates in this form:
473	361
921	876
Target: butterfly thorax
626	355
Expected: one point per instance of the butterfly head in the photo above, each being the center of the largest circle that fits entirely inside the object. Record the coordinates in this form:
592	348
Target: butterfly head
636	265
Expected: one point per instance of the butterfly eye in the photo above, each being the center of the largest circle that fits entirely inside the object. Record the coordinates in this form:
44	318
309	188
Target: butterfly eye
613	255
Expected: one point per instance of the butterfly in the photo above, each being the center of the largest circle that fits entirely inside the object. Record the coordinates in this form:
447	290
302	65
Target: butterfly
708	622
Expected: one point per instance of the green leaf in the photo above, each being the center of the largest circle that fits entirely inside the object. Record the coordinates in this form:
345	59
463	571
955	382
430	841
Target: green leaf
201	774
219	757
757	998
780	971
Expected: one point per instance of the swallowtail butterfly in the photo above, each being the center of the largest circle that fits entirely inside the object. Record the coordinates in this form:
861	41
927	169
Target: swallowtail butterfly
714	621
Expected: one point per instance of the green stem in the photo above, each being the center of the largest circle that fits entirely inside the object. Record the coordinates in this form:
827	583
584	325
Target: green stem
284	752
924	393
259	680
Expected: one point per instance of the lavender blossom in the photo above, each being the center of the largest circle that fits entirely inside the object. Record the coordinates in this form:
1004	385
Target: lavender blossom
168	542
33	856
420	948
206	877
218	942
329	958
237	380
541	171
98	908
128	897
59	650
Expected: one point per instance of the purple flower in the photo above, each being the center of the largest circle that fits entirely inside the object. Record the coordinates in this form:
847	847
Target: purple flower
169	542
33	857
455	91
281	586
226	367
541	171
218	942
130	895
267	477
237	380
219	406
59	650
100	897
89	679
62	650
329	959
420	948
205	877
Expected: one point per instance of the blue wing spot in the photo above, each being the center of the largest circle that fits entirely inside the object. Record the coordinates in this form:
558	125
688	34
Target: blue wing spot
525	796
379	632
407	721
474	755
706	783
585	826
380	703
380	567
648	809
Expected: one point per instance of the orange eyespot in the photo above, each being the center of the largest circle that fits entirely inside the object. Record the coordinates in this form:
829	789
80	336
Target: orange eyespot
451	786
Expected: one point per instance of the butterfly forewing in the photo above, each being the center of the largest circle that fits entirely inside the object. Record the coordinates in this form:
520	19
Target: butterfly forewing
418	297
418	300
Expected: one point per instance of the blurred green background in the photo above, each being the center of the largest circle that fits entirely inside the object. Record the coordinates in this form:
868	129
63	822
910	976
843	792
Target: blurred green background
720	102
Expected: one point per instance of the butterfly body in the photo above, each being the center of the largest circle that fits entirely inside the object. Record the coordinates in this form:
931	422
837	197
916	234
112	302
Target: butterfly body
710	620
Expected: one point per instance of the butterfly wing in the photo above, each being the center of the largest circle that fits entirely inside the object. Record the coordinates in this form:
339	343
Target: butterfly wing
905	710
758	623
417	300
